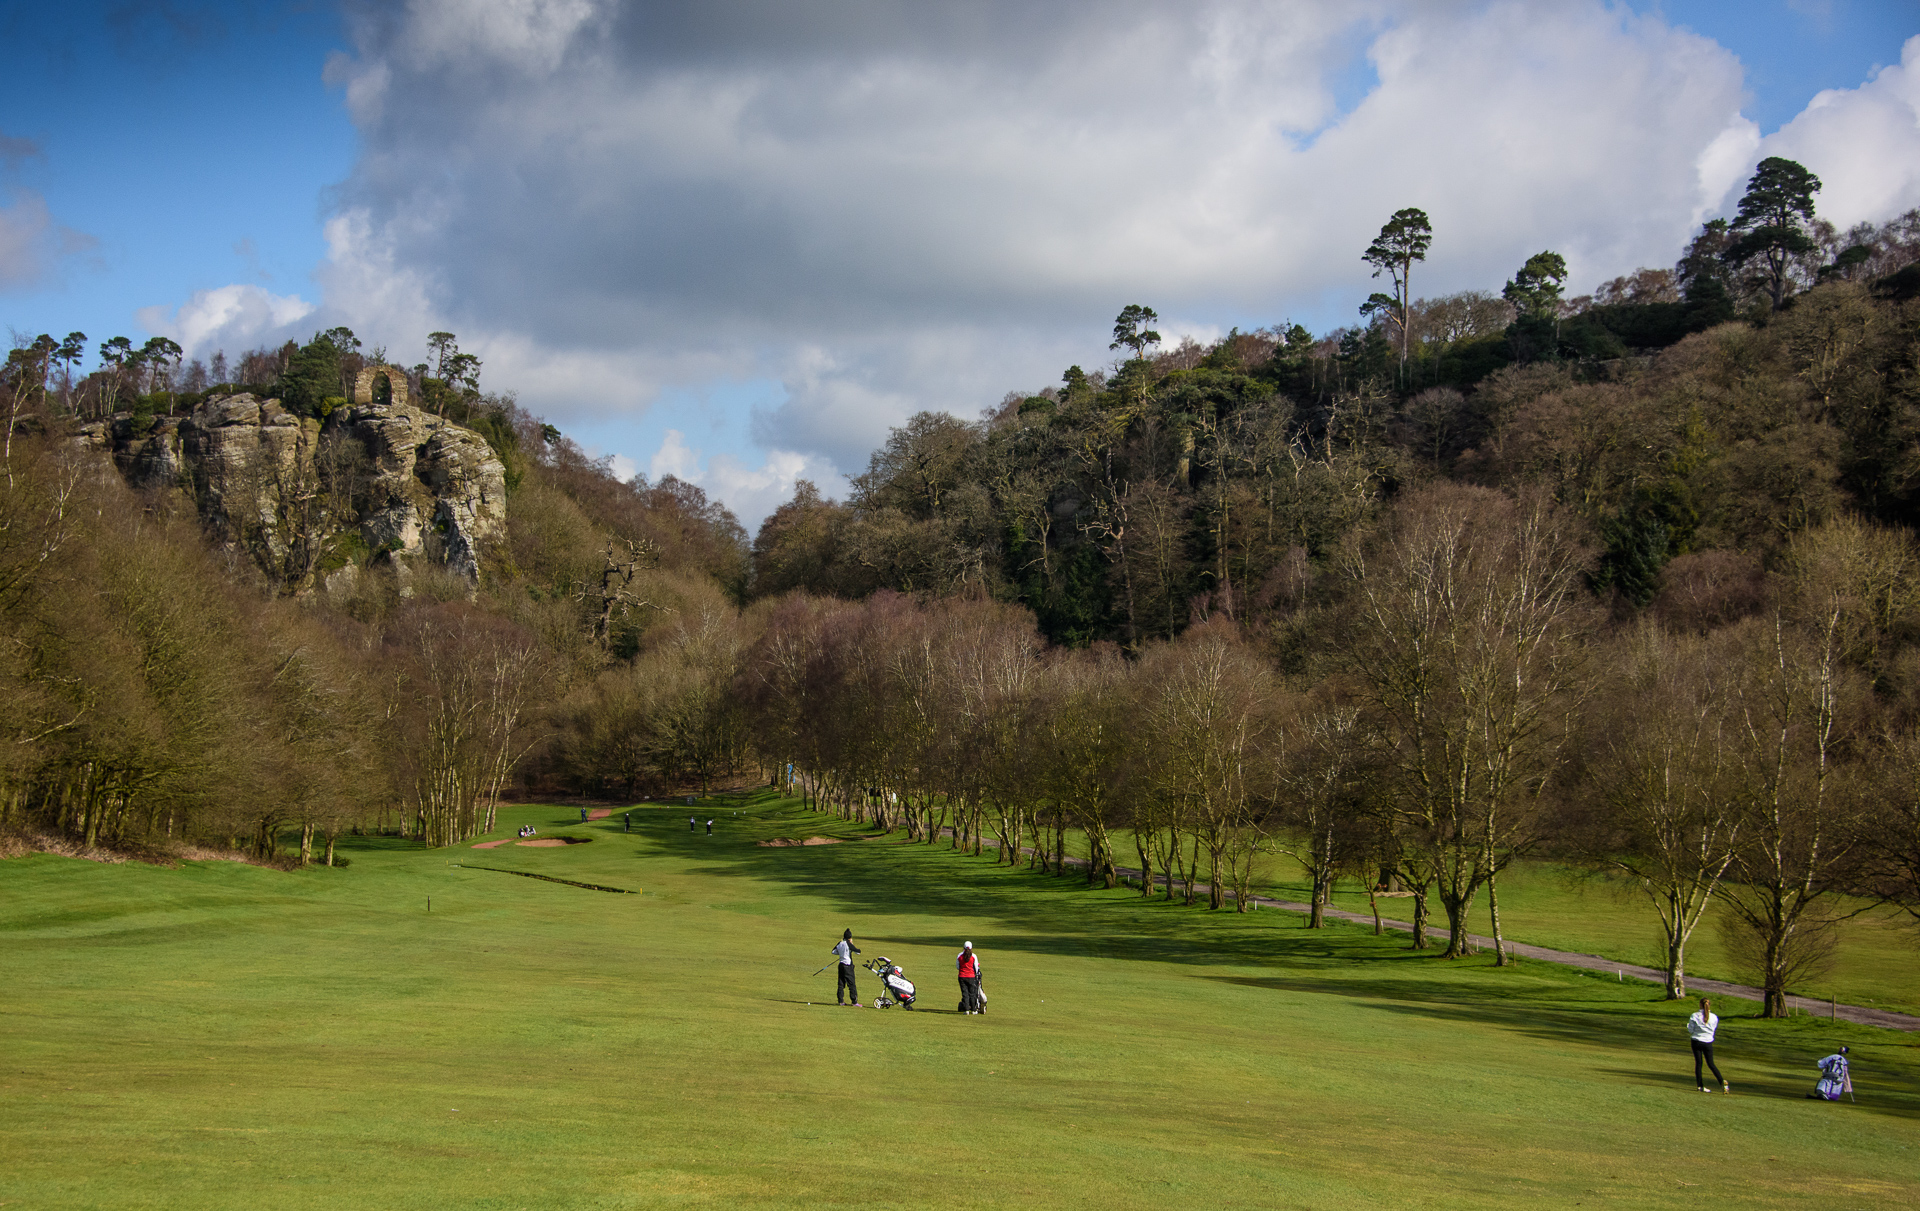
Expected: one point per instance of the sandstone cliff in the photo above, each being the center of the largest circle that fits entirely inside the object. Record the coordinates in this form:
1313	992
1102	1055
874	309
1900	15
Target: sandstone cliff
376	482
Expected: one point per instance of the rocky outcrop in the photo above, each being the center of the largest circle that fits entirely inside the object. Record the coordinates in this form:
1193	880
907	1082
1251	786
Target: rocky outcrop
377	482
432	480
244	459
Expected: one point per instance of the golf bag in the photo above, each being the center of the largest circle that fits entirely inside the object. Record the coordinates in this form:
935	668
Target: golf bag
895	988
1834	1079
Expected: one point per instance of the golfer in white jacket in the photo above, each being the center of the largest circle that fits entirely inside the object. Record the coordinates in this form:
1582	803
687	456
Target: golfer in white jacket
1700	1028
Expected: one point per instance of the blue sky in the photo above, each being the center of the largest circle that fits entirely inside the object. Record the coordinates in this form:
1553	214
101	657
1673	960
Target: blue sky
153	155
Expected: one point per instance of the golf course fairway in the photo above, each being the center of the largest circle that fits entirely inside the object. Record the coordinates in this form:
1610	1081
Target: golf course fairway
218	1035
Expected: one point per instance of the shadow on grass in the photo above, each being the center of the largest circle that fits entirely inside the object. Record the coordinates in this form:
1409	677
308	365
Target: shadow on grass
1019	911
1014	909
1554	1014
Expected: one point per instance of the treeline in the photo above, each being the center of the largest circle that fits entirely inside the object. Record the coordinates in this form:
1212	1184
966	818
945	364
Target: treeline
1467	700
311	380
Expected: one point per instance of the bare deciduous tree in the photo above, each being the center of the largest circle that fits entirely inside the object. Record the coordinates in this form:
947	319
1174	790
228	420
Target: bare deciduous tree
1468	635
1668	768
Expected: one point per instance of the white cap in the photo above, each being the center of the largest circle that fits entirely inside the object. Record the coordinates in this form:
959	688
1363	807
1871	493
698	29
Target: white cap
966	945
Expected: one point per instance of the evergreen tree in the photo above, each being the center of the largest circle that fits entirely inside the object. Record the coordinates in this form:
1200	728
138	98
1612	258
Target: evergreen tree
1771	226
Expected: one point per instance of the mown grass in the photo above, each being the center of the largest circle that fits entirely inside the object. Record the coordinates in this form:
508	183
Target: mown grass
1876	960
222	1036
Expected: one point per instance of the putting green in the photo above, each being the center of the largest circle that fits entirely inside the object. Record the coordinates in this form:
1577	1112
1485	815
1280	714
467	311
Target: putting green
220	1036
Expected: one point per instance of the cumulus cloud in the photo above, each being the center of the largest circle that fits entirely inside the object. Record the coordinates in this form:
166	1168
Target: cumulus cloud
754	492
1863	143
675	457
897	207
32	243
227	317
890	207
751	492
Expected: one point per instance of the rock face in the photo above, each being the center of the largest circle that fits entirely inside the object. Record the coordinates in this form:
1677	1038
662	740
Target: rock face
377	482
430	477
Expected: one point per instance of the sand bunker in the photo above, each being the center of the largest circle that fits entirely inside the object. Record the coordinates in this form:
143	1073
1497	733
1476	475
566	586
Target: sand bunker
543	842
599	813
808	841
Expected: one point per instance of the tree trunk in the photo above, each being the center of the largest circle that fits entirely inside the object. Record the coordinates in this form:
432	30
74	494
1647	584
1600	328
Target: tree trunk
1216	892
1499	942
1775	983
1676	967
1457	908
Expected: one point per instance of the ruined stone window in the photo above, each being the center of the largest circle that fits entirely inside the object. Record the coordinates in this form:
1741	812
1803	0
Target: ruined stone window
395	385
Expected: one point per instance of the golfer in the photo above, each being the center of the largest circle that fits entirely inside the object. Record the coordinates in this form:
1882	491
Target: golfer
969	966
845	949
1700	1028
693	825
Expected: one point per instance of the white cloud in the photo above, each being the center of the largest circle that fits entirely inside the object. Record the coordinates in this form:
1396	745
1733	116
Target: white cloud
1724	165
754	492
751	492
531	35
927	206
674	458
32	243
1863	143
226	317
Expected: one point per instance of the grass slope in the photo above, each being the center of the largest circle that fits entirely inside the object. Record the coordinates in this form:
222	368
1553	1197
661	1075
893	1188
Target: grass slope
221	1036
1876	961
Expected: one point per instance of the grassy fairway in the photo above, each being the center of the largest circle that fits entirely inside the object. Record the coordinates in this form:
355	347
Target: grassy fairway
1877	961
220	1036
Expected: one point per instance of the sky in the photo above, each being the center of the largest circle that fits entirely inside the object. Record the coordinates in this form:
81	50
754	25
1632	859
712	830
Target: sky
737	240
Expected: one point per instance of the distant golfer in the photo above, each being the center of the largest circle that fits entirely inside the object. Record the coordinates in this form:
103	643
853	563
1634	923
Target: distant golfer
1700	1028
845	950
969	966
693	825
626	822
709	828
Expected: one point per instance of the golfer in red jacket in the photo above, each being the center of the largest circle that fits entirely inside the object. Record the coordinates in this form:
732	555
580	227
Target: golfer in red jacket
969	965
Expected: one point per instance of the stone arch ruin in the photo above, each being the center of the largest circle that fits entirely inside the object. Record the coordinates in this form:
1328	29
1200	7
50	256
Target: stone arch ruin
396	379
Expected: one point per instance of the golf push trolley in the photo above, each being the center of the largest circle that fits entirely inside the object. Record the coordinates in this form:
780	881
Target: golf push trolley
895	988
